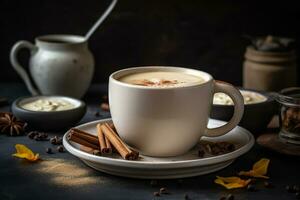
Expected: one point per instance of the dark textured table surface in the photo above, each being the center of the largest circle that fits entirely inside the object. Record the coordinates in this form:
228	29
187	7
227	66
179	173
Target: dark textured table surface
63	176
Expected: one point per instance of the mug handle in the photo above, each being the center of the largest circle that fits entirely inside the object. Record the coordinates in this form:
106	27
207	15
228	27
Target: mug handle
238	101
16	65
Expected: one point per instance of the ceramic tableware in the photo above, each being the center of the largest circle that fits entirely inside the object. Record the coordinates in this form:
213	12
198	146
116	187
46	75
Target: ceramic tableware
186	165
58	65
167	121
49	121
251	120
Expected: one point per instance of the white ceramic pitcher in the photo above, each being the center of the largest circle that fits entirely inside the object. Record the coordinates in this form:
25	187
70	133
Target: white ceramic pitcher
59	65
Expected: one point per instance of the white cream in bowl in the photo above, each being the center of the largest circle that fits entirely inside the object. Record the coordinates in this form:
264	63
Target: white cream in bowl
48	104
249	98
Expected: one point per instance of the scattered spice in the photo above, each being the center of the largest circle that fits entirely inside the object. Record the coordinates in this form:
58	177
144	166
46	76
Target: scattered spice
105	107
60	149
97	114
31	134
10	125
215	148
146	82
25	152
38	136
232	182
156	194
56	140
53	140
163	191
69	173
259	169
290	119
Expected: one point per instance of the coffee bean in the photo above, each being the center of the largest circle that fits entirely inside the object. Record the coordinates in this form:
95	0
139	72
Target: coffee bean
97	114
32	134
37	138
156	194
186	197
60	149
268	184
43	135
230	197
251	188
153	183
59	141
48	150
53	140
163	191
104	107
222	198
289	188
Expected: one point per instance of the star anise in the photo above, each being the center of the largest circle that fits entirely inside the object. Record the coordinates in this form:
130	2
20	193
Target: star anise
10	125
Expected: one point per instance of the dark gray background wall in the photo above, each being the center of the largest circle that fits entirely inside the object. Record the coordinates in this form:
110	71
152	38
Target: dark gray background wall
199	34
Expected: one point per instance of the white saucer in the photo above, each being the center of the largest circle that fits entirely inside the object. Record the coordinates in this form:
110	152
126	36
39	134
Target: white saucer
186	165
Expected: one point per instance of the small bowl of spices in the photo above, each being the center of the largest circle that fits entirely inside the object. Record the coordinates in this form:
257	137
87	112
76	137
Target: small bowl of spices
289	115
49	113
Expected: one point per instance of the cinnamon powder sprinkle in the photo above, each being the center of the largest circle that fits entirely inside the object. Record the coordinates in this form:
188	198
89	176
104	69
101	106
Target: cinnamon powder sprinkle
163	82
66	173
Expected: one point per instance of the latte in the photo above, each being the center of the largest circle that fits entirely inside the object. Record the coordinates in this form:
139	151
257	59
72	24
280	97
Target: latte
162	79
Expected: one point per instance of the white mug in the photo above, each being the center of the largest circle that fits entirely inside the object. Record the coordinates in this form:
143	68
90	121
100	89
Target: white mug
167	121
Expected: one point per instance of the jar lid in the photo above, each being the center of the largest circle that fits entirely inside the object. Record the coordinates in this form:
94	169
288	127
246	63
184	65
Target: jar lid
289	96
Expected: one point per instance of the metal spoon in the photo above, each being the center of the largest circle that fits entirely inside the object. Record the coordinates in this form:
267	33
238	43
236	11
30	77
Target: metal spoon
101	19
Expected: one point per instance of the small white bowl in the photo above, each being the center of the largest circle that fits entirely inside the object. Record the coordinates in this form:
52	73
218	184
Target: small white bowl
49	120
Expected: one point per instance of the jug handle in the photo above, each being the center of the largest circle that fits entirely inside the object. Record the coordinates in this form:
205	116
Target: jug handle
16	65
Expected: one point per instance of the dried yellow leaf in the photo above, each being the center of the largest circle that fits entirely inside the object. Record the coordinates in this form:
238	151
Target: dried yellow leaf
232	182
25	152
259	169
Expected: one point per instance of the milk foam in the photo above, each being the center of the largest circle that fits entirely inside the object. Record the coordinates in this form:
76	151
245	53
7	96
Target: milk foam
162	79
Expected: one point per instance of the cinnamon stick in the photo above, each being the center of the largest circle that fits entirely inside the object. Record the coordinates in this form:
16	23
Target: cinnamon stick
90	150
105	146
86	149
85	136
120	146
81	141
108	145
